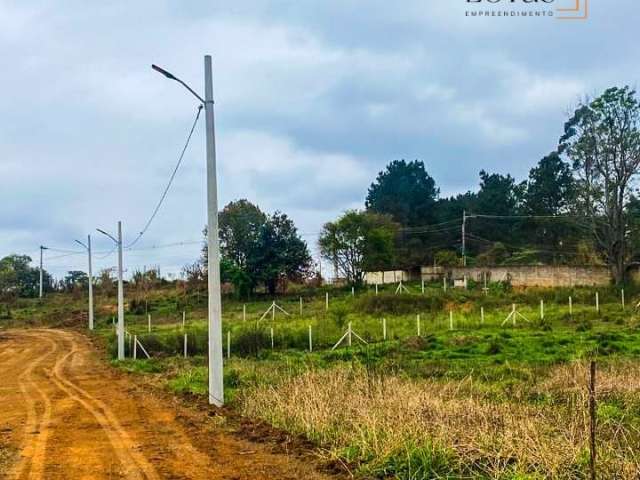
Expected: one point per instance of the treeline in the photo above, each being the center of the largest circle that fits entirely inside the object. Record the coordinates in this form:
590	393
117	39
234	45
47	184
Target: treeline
577	206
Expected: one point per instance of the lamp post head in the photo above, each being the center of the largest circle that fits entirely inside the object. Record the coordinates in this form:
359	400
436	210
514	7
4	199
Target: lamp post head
163	72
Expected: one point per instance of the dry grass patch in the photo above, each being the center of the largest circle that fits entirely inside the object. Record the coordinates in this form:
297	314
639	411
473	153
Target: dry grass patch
392	426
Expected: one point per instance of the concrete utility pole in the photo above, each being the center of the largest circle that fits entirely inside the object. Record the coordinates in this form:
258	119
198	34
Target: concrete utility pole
216	385
464	241
118	242
88	248
42	249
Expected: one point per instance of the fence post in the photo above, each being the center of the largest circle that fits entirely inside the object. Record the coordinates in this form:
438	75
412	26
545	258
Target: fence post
353	291
593	420
622	298
184	319
272	338
541	309
349	336
481	315
185	346
597	302
570	306
244	312
228	344
149	322
326	301
418	323
310	340
423	286
444	283
300	306
384	328
450	319
135	347
376	289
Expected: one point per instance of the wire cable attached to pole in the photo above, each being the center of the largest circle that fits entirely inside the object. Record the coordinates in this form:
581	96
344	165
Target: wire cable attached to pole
166	190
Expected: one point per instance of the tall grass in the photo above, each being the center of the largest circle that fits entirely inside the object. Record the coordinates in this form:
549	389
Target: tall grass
392	426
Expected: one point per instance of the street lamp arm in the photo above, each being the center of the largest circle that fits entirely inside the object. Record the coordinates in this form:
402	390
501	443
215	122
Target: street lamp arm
171	76
108	235
78	241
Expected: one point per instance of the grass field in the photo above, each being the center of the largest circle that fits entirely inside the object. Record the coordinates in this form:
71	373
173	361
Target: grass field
472	398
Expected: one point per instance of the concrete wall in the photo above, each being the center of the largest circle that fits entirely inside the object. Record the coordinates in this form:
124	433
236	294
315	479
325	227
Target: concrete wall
394	276
519	276
537	276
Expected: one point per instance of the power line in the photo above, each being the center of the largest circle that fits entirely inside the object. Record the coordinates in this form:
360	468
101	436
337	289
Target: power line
173	175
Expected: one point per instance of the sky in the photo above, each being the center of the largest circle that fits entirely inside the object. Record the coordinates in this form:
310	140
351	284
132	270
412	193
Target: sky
312	100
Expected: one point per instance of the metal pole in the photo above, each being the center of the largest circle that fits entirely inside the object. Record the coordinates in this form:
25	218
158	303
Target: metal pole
120	297
90	284
216	385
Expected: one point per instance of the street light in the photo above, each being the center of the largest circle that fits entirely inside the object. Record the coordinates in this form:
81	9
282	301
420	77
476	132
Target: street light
88	248
216	384
42	249
118	242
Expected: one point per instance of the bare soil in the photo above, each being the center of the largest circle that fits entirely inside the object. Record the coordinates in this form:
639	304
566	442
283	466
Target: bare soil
66	414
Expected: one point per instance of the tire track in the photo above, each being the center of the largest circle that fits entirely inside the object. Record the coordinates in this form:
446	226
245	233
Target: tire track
32	453
134	463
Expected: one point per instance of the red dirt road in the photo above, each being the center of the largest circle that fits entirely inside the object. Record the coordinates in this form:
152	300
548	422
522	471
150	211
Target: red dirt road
64	414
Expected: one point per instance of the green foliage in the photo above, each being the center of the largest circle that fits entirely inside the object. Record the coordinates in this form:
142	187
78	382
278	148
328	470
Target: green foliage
359	242
446	258
19	279
405	191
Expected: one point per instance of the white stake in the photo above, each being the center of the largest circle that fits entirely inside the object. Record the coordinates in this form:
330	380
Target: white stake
353	291
350	334
310	340
135	347
184	319
597	302
513	310
300	306
450	319
272	343
418	323
570	306
185	346
622	297
244	312
326	301
541	309
481	315
444	283
384	328
228	344
376	289
149	322
423	287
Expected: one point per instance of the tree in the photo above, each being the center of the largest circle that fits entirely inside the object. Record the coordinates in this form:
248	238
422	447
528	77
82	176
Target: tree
602	139
405	191
278	253
498	194
18	278
75	279
359	242
550	187
240	223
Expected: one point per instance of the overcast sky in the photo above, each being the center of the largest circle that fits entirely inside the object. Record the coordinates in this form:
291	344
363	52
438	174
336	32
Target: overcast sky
312	100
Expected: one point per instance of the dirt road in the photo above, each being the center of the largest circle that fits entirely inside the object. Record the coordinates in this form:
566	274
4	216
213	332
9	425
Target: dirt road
64	414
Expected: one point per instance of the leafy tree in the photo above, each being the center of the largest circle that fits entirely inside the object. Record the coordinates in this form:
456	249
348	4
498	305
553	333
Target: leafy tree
602	139
498	194
75	279
550	187
240	223
278	253
406	192
19	278
359	242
